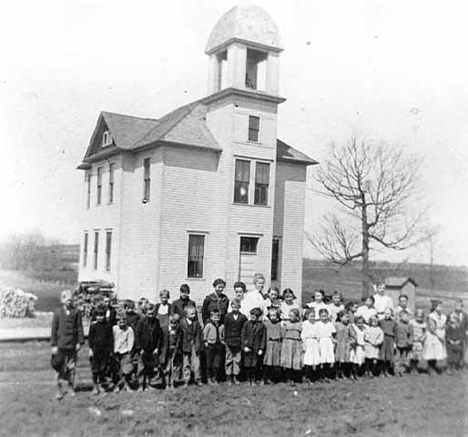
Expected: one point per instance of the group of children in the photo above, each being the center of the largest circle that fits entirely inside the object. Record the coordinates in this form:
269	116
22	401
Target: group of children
164	344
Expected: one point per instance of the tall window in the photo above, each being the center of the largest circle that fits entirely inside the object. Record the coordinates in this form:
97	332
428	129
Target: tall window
262	181
111	182
241	184
85	249
254	128
146	179
96	249
88	195
99	185
196	252
108	250
275	259
106	139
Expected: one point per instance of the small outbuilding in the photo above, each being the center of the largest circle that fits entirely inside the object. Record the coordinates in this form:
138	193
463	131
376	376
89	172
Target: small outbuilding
394	286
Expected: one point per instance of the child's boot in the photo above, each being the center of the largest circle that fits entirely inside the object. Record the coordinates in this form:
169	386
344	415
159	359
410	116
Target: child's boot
59	394
236	380
96	390
229	379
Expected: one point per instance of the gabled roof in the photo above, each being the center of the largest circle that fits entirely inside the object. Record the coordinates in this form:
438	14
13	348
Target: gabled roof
184	126
286	153
396	282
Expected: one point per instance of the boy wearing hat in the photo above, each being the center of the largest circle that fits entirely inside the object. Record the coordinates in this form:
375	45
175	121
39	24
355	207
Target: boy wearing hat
101	343
233	324
66	340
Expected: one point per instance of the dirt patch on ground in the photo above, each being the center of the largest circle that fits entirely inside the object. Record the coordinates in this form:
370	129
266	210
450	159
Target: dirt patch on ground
408	406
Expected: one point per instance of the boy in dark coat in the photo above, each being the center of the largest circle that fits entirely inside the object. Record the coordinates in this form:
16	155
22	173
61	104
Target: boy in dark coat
66	340
233	324
147	344
254	344
101	344
213	336
190	345
178	306
170	356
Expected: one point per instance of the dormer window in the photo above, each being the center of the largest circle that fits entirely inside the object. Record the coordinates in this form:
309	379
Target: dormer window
254	128
255	76
106	139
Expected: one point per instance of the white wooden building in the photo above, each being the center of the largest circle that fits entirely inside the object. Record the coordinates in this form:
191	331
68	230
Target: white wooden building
206	191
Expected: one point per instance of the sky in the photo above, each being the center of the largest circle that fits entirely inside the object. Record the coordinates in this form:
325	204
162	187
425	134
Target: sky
395	72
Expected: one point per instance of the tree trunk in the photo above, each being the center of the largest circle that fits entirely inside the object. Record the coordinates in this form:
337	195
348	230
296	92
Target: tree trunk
365	251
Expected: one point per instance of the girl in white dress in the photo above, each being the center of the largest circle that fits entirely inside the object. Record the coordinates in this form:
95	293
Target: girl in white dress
373	339
326	331
357	355
310	346
433	346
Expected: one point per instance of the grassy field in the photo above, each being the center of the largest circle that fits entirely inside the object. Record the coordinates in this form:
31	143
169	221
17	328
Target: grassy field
408	406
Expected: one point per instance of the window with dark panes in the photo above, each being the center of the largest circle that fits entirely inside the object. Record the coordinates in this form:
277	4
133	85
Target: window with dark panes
96	249
196	251
275	259
248	244
99	185
108	250
241	184
262	181
146	179
111	182
85	249
254	128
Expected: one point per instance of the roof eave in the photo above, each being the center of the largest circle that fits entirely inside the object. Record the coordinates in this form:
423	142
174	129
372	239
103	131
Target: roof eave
253	44
247	92
297	161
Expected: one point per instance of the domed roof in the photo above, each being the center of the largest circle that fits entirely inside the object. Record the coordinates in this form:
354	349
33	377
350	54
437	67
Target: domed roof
247	23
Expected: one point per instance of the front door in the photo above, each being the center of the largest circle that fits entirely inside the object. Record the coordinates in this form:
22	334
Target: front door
247	259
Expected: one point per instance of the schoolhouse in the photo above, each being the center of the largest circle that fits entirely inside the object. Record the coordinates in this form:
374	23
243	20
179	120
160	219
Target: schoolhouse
205	191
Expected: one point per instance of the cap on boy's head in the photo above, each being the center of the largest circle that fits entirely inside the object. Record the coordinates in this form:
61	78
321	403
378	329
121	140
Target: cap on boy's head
65	295
236	303
257	312
129	304
184	288
165	293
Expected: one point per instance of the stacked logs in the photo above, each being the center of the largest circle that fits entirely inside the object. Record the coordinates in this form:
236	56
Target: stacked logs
16	303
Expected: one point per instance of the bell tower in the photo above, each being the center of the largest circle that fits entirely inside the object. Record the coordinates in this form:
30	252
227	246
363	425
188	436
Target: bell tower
243	51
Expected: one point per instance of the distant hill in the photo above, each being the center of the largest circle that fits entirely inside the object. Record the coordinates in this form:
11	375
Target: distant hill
330	277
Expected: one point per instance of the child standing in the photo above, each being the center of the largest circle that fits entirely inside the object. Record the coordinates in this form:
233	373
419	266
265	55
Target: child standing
178	306
239	292
335	306
454	337
404	342
163	308
402	306
318	303
434	347
326	332
289	303
351	309
291	347
213	336
272	299
253	344
233	324
440	321
100	339
66	340
373	339
169	356
358	354
272	359
124	339
190	343
419	331
310	346
367	310
388	326
345	337
148	343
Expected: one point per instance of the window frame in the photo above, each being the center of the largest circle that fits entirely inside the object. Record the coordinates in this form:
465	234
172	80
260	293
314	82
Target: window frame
99	186
254	131
88	194
106	139
242	183
85	249
198	271
96	250
275	267
146	179
261	188
250	239
108	249
111	181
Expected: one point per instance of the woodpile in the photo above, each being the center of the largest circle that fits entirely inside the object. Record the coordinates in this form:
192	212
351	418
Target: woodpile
16	303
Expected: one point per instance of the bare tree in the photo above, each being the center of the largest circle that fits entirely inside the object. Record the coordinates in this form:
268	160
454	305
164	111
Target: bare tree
430	235
374	186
